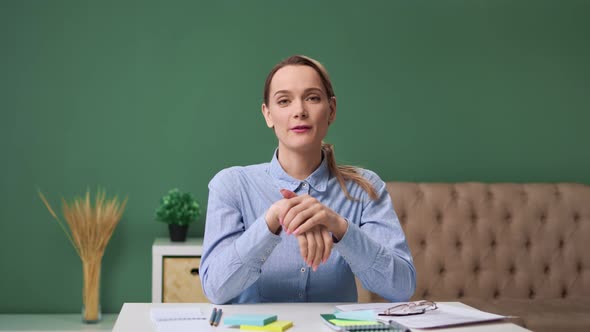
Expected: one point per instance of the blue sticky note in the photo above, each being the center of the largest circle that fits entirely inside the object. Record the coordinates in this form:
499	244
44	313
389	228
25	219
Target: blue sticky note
249	319
356	315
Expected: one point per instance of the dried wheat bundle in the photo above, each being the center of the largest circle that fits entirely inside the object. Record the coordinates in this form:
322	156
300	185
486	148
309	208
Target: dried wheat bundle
90	227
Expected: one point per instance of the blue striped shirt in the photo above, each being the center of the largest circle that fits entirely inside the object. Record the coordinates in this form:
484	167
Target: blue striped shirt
243	262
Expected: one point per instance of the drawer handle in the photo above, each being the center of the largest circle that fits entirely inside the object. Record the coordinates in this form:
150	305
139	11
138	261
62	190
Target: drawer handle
195	271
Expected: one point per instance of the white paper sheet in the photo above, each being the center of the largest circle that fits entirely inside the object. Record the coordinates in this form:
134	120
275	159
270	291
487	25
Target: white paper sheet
445	315
179	319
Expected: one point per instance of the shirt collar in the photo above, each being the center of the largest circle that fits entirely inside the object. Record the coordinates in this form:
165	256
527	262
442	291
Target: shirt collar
318	180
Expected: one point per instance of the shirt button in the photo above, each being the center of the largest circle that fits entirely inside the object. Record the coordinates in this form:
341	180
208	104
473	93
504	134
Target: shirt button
304	185
263	259
301	295
302	269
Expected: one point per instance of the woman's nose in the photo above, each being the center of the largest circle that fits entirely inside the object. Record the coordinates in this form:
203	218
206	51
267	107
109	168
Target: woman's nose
300	110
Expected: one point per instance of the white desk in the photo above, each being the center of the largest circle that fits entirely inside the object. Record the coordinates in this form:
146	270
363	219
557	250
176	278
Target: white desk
53	322
305	316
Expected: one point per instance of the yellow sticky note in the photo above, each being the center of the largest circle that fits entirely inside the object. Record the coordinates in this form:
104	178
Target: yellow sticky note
276	326
346	322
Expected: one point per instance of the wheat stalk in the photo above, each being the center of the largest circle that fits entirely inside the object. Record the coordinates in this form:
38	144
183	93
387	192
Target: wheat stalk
90	227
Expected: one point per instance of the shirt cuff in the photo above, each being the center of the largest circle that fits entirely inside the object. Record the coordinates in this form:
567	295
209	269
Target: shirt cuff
357	248
256	244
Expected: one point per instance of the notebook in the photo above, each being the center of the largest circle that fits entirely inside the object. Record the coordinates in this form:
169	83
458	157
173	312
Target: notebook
179	319
352	325
276	326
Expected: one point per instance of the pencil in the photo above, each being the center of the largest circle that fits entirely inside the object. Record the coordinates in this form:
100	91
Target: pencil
213	315
218	317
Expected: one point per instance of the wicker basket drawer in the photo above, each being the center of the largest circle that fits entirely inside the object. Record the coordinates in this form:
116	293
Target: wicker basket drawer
181	281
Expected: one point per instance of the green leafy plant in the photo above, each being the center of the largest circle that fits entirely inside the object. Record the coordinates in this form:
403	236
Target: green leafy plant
178	208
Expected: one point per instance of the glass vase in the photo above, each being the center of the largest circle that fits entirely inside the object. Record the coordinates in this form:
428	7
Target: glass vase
91	292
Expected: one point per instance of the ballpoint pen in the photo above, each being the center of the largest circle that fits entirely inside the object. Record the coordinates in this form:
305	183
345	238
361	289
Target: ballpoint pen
213	315
218	317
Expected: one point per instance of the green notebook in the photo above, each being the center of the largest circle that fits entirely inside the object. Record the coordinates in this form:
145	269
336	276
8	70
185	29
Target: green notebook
355	325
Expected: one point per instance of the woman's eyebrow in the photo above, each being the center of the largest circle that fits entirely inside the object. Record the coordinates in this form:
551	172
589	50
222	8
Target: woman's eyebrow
304	91
313	89
282	91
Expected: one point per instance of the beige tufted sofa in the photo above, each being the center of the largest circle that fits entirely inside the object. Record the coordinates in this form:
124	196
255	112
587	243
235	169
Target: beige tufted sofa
514	249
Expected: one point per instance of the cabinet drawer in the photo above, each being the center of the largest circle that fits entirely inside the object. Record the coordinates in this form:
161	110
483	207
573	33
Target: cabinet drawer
181	281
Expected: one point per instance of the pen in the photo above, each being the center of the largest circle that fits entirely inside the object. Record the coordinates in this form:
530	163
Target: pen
213	314
218	317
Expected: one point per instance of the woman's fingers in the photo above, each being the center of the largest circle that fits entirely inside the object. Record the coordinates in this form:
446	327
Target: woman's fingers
311	248
317	233
328	244
298	205
302	239
316	219
301	217
288	193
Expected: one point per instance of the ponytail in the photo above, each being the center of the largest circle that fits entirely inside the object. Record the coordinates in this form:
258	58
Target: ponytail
345	172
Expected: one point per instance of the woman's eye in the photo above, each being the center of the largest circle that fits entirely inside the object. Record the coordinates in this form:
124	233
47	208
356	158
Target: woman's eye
314	98
283	102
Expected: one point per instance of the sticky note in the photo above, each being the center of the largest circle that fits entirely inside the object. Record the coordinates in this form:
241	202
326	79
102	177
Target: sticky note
249	319
276	326
356	315
344	322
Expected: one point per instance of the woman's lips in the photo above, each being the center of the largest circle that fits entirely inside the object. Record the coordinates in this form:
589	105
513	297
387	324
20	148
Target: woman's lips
301	129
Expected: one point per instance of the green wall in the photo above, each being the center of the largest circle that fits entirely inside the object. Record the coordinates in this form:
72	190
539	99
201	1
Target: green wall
144	96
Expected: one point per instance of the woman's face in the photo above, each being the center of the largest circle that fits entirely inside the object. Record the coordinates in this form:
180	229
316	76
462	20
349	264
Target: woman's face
298	108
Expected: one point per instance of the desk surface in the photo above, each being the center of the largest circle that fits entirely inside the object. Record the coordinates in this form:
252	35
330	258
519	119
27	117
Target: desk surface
305	316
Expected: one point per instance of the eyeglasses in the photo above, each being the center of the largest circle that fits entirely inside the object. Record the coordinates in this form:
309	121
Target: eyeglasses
410	308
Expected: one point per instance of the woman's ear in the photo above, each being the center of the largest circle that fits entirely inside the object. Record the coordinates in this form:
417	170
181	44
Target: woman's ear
267	116
332	115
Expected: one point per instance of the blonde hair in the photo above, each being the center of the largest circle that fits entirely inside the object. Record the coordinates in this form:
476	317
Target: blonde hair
342	173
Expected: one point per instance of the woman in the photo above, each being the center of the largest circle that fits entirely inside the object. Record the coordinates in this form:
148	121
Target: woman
268	223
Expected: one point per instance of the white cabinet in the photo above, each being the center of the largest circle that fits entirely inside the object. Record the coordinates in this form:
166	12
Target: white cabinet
175	271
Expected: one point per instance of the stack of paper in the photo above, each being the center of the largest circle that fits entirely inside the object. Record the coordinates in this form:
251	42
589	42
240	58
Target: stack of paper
445	315
179	319
258	322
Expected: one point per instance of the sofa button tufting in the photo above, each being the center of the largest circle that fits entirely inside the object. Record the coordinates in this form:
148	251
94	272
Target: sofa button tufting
576	217
561	243
496	294
476	269
425	294
547	269
460	293
512	270
531	294
458	245
441	271
564	293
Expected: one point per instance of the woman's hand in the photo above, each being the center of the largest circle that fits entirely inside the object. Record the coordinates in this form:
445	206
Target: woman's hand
305	212
315	246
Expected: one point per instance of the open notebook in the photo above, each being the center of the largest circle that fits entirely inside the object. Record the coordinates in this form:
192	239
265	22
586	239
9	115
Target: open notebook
179	319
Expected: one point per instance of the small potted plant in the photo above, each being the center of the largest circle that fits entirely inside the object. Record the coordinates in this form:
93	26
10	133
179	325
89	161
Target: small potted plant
178	210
